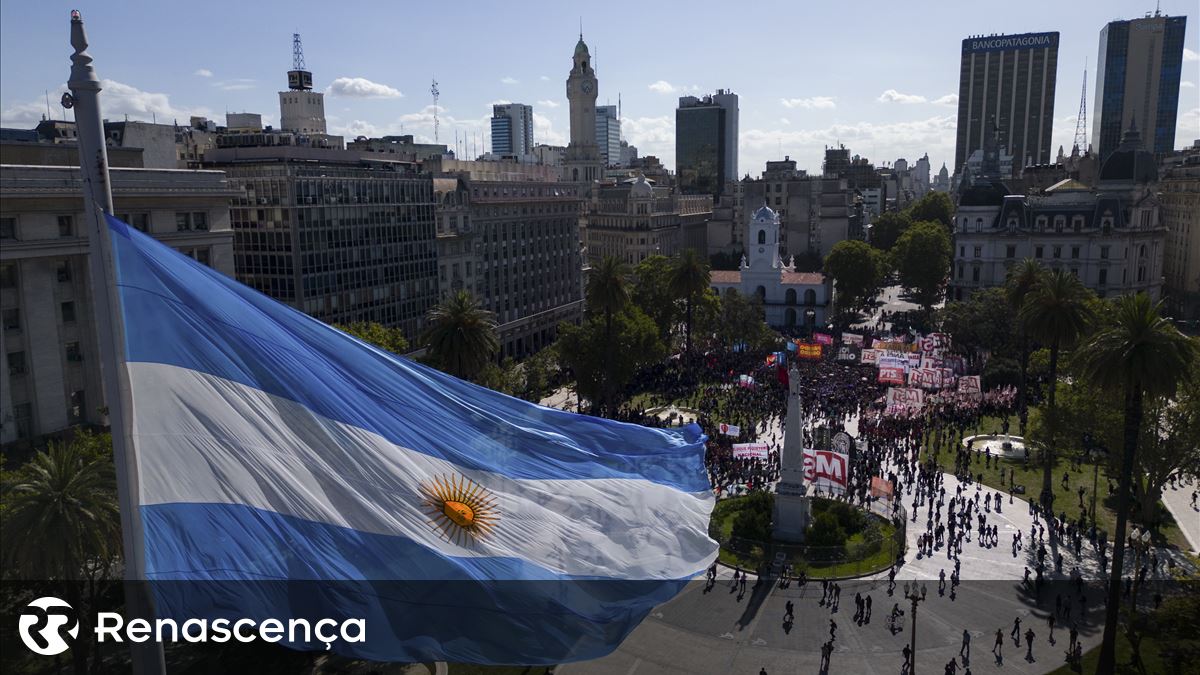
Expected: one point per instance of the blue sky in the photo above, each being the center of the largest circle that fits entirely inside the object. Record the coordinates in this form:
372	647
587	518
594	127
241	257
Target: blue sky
808	74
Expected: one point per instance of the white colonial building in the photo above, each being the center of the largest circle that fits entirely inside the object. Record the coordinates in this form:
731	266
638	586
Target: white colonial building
1110	235
791	299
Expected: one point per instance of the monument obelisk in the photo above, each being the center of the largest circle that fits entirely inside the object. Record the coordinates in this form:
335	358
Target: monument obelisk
792	509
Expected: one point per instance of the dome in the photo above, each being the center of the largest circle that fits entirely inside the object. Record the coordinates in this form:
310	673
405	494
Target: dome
1130	161
581	48
764	213
640	188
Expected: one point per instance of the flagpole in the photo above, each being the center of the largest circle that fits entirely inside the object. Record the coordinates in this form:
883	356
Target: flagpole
97	198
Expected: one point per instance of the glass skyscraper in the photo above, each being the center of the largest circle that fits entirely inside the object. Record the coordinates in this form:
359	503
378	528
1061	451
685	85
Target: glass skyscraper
1137	82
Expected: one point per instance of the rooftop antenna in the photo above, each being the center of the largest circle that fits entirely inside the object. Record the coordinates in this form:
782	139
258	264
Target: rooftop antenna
299	78
1081	121
47	104
433	89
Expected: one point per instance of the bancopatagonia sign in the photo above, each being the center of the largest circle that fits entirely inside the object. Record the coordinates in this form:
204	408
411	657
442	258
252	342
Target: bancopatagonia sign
999	42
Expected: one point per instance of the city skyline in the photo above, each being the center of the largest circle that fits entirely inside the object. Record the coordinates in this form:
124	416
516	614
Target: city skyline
880	104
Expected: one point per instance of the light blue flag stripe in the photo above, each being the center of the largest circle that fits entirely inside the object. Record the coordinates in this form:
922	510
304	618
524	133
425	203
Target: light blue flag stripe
179	312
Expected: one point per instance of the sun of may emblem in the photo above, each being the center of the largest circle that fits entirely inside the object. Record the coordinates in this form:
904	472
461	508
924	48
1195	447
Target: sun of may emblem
459	508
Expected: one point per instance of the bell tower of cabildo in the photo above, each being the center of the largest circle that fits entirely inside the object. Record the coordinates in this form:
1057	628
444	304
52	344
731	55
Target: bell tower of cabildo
582	161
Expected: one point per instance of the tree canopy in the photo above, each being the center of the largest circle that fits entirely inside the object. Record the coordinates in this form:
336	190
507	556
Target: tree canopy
388	339
887	228
857	270
922	258
603	366
934	207
982	321
460	335
652	294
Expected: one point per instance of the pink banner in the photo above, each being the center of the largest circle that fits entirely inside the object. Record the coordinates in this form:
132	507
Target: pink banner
891	375
823	338
826	466
852	339
869	357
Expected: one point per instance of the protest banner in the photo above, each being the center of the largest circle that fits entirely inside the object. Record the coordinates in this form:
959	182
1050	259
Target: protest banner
823	338
869	357
826	467
881	488
969	386
808	350
846	354
902	397
852	339
730	429
934	341
891	374
926	378
750	451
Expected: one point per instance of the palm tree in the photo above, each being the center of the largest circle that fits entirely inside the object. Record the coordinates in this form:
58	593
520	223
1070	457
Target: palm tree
461	335
1139	355
689	278
1022	279
608	292
62	522
1056	313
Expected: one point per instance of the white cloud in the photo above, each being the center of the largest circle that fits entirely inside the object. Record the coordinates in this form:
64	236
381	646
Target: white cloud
809	103
547	103
117	100
652	136
893	96
1189	55
236	84
663	87
544	78
509	80
948	99
785	121
203	72
1187	85
499	101
361	87
544	131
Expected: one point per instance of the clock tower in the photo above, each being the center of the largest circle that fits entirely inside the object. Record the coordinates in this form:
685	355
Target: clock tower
582	162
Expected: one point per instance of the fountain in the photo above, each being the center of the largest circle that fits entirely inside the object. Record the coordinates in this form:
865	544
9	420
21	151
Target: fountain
1007	446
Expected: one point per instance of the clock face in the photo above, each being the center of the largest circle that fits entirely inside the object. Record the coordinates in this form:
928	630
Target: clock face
586	87
761	249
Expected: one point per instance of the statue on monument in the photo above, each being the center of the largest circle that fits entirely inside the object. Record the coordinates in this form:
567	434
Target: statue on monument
792	509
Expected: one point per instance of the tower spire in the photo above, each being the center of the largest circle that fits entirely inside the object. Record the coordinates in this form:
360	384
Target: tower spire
1081	121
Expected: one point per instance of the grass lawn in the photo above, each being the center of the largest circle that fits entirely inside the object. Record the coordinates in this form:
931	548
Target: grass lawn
1152	661
1065	499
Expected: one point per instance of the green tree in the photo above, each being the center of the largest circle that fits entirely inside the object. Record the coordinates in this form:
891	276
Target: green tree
61	522
857	270
922	258
602	374
888	227
935	207
388	339
1138	355
461	335
753	519
1021	280
740	319
607	295
689	278
652	294
1056	313
981	322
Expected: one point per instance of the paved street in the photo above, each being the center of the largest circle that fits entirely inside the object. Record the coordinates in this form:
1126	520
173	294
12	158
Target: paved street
1179	501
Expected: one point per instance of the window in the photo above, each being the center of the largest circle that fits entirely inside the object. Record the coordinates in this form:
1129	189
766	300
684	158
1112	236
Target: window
962	251
8	228
1037	252
200	220
68	312
1077	223
201	256
960	271
1057	252
23	418
778	201
1010	251
975	274
1103	276
183	222
978	251
73	352
16	363
75	406
8	276
139	221
66	226
1104	253
762	236
1075	253
979	224
63	270
1041	222
1059	223
11	318
1075	272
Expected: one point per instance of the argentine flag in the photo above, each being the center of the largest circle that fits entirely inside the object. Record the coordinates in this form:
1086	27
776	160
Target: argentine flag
287	470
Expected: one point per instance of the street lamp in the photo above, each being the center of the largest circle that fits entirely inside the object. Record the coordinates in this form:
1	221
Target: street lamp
1139	540
913	594
1095	453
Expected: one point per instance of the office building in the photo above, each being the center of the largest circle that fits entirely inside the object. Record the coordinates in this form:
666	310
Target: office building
608	134
581	161
1111	236
1179	192
340	235
791	300
402	148
1137	82
1008	81
512	130
706	142
511	239
301	110
636	219
49	363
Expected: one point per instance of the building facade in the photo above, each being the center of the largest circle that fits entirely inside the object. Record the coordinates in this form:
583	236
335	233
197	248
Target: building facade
1007	80
1137	82
50	373
791	300
1110	236
1179	191
634	220
514	244
608	134
512	130
403	148
706	142
341	238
